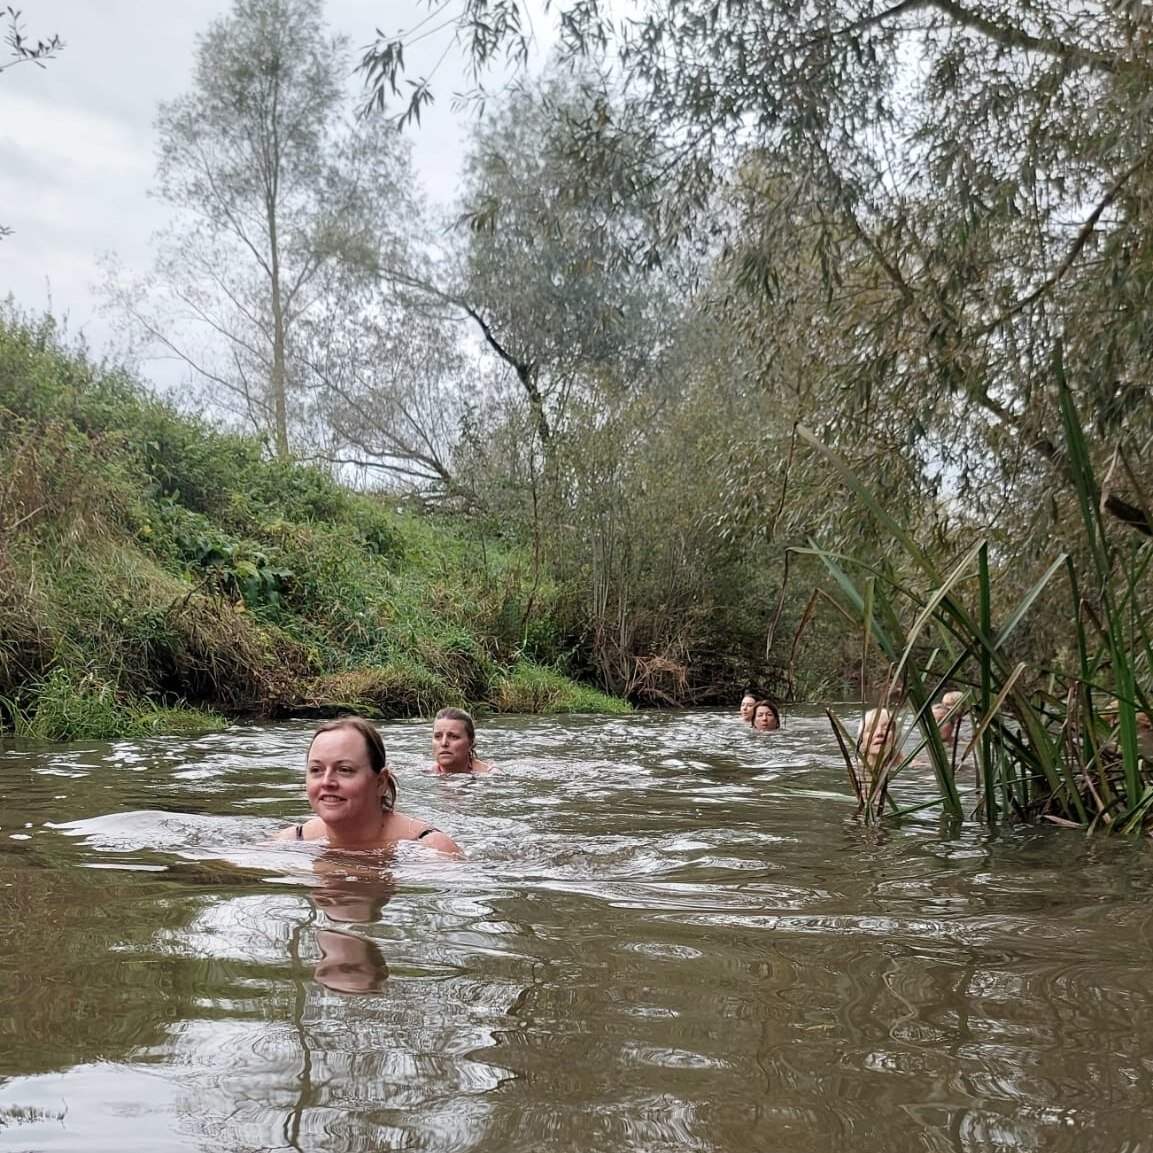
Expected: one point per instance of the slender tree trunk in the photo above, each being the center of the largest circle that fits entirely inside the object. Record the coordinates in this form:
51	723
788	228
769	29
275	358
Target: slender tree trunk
278	376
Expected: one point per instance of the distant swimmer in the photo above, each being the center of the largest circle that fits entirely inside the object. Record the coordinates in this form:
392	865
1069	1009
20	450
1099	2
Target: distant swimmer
766	718
877	738
748	705
947	712
453	743
353	794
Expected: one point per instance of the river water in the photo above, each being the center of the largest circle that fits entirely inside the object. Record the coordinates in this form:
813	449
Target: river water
670	933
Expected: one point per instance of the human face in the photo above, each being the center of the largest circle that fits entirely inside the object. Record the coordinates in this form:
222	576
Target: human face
748	703
341	786
451	745
879	733
764	720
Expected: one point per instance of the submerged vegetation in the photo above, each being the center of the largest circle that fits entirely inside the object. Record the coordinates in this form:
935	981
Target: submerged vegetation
158	575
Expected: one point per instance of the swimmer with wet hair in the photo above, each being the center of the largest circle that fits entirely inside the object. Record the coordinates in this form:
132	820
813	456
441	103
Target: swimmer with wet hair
947	713
766	717
353	794
454	743
877	737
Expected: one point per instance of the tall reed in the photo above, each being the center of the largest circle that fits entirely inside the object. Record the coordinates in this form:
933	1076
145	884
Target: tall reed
1063	745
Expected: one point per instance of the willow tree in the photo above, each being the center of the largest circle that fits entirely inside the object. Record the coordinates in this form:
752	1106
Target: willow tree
977	172
620	396
284	204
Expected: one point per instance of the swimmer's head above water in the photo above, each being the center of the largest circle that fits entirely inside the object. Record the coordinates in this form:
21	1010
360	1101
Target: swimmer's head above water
454	743
352	793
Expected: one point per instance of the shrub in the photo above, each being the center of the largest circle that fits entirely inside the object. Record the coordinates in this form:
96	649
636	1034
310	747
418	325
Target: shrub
66	707
532	688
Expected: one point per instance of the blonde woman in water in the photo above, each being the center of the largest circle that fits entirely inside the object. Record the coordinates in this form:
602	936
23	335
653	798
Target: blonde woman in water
454	742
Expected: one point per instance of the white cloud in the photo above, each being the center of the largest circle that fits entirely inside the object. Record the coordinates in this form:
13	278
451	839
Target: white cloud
77	144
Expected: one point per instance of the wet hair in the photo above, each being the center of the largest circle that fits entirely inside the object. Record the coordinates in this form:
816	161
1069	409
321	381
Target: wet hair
871	722
767	704
373	745
451	714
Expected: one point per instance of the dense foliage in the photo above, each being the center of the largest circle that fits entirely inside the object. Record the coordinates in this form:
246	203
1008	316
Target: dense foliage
150	565
919	232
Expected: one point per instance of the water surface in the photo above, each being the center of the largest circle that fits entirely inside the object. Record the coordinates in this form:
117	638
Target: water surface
670	933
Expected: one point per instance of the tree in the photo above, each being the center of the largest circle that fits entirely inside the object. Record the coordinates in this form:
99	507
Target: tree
21	50
288	211
556	267
976	175
617	398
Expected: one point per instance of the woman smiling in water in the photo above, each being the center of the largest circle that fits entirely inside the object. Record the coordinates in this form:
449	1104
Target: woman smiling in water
353	794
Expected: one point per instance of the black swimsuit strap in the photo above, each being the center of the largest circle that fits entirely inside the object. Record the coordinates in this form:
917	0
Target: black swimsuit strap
300	832
430	829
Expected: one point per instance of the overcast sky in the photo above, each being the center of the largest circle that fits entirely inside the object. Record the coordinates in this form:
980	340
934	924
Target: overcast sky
77	145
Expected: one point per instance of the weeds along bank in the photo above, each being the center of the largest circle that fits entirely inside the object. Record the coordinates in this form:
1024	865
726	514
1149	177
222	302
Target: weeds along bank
156	575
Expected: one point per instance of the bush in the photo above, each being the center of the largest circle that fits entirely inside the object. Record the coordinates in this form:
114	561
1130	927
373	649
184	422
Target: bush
535	689
401	689
69	708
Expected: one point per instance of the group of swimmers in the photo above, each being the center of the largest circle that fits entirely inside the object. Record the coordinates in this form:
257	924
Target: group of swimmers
352	792
761	713
877	735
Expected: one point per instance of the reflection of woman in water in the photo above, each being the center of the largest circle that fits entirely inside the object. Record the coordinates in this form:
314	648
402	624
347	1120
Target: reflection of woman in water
349	964
353	794
349	892
453	740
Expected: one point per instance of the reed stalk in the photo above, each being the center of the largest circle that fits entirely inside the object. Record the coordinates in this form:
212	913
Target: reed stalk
1042	746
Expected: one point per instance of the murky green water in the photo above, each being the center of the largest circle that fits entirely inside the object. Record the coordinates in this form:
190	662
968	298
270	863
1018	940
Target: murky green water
670	934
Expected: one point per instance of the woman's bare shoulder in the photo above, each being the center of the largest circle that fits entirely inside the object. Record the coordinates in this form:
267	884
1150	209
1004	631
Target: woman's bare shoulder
442	842
406	828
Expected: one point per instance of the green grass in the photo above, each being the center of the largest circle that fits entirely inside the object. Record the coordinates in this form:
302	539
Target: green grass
153	570
532	688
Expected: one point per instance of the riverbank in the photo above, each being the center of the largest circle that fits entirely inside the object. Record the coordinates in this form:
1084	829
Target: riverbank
157	575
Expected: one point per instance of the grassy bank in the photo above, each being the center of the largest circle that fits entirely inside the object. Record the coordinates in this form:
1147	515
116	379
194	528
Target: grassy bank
156	574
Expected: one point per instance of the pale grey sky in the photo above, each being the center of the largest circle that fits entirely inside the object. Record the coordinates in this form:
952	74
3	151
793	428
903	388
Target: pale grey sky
77	147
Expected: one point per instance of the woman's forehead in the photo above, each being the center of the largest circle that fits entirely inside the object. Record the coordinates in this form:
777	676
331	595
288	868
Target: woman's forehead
343	742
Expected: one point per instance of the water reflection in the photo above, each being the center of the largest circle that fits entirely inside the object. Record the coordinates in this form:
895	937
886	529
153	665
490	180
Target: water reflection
669	934
351	890
349	964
